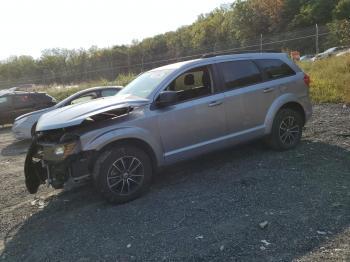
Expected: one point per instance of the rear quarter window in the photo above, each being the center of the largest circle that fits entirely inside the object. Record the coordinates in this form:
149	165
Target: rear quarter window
275	68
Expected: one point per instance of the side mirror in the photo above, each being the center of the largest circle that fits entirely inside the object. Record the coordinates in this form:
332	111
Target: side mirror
167	98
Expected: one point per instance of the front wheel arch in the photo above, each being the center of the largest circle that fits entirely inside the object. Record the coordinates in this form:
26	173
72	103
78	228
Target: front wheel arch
135	142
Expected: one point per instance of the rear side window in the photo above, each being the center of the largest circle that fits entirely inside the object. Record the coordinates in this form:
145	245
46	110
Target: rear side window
275	68
23	100
240	74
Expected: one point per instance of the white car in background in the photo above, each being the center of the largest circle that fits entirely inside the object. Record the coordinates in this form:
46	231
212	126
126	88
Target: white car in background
24	125
306	58
346	52
329	52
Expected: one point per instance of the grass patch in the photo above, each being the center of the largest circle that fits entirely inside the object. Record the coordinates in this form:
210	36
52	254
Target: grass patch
330	79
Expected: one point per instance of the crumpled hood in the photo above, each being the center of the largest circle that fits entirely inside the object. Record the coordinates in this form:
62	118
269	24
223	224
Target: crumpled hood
42	111
74	115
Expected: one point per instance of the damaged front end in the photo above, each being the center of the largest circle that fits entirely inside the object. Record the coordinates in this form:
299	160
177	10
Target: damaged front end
55	157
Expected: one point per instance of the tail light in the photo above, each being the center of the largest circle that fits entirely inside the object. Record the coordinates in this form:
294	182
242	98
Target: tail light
307	80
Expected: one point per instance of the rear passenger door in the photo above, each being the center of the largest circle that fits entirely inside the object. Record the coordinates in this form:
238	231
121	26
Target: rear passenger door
277	73
247	96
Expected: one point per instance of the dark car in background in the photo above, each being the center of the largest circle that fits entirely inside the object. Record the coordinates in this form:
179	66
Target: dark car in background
24	125
16	103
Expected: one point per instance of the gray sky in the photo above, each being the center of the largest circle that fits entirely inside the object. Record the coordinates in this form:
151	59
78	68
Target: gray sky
29	26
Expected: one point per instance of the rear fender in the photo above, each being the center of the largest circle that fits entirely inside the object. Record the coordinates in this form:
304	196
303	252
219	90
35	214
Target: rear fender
275	107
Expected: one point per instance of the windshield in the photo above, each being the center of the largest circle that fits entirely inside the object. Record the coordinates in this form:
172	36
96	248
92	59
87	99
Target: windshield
145	84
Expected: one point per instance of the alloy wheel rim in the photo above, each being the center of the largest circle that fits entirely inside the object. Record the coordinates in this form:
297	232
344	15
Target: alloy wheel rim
125	176
289	130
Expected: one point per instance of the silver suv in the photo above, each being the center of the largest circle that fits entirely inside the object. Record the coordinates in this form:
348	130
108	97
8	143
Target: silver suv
166	115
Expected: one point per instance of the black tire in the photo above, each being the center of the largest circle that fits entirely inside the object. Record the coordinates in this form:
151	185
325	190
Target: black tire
286	130
122	174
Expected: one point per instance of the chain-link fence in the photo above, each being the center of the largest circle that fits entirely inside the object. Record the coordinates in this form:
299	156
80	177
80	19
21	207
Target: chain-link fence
309	40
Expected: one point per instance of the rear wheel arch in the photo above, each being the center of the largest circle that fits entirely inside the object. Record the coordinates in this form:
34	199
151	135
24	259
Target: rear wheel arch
296	107
287	101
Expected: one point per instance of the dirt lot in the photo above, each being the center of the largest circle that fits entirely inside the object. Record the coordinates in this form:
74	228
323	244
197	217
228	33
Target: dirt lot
208	209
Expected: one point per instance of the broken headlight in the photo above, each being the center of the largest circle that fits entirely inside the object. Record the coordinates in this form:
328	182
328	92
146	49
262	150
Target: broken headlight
65	150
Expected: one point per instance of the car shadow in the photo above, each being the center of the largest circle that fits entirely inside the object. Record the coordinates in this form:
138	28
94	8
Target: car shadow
207	209
16	148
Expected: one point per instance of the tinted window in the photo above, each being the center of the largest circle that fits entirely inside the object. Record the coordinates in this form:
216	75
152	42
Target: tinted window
240	73
192	84
275	68
23	100
43	98
109	92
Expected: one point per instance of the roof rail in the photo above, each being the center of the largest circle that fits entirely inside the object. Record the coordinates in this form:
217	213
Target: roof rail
208	55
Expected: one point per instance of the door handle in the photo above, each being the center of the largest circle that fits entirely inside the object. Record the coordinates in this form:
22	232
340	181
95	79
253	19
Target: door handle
215	103
268	90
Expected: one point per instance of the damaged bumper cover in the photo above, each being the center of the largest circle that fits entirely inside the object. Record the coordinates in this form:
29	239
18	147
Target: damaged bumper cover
55	163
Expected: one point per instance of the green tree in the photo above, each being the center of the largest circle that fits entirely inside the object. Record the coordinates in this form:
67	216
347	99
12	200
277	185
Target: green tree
342	10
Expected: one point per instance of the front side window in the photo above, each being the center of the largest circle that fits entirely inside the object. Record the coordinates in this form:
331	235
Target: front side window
239	74
192	84
275	68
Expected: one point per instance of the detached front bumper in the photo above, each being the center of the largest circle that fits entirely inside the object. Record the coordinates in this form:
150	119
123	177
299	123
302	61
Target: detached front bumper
56	164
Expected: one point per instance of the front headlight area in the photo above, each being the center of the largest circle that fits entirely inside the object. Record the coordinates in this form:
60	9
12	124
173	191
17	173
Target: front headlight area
67	147
62	151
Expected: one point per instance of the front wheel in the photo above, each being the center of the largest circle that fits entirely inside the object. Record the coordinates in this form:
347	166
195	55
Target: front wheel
286	130
122	174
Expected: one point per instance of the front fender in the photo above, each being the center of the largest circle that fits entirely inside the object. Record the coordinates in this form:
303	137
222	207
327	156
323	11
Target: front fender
96	143
276	106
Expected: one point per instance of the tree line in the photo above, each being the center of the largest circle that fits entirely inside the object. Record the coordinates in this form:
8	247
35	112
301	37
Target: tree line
238	25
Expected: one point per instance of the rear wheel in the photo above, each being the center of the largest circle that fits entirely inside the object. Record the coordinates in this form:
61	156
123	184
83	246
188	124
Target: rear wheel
286	130
123	174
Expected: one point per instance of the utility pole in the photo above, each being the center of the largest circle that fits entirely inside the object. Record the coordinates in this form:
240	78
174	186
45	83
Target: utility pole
261	43
143	54
317	47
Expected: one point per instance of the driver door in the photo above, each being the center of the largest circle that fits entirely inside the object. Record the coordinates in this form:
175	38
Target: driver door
193	125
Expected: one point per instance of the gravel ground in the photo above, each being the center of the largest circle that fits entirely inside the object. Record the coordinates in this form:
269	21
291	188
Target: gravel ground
208	209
